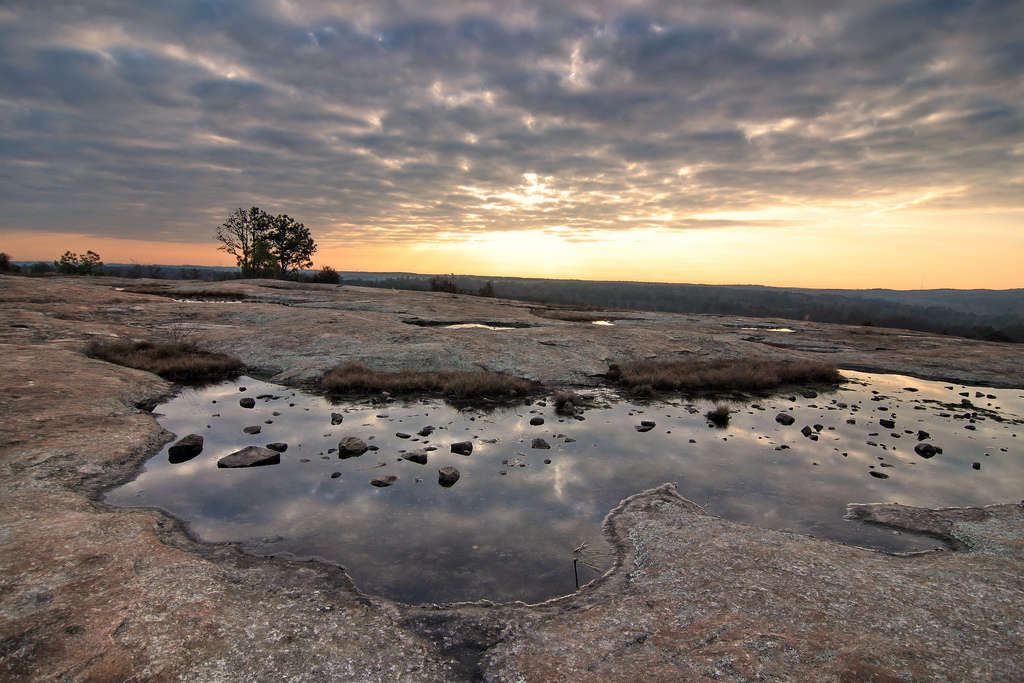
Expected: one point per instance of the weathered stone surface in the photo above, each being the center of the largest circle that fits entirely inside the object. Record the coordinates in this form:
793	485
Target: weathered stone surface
462	447
539	443
278	446
252	429
351	446
536	421
926	450
447	476
418	457
785	419
888	424
337	418
94	593
250	456
383	481
185	448
247	402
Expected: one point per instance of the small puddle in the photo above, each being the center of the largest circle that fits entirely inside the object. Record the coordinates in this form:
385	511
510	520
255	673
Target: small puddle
508	527
606	323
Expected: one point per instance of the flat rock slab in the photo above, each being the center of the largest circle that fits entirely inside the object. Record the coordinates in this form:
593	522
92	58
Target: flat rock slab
251	456
94	593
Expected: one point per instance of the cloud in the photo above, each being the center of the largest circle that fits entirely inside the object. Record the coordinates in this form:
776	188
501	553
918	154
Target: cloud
402	120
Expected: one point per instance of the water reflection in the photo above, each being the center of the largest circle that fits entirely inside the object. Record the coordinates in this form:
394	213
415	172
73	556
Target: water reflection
507	529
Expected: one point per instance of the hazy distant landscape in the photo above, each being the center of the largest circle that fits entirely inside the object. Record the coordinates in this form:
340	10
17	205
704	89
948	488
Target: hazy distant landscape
991	315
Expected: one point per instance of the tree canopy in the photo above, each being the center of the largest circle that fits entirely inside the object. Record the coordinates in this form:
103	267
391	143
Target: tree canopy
265	245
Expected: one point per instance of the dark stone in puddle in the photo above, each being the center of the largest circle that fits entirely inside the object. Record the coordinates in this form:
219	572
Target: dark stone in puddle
806	431
247	403
642	428
278	446
547	461
335	475
976	465
784	419
926	450
447	476
386	480
888	424
250	456
536	421
185	449
418	457
648	423
426	431
254	429
539	443
810	393
351	446
879	475
462	447
337	418
402	435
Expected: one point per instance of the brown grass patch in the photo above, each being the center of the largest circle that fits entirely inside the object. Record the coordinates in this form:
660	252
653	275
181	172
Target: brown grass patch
744	374
354	377
567	402
176	361
202	294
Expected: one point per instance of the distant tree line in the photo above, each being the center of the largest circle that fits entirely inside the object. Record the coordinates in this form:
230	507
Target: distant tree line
976	314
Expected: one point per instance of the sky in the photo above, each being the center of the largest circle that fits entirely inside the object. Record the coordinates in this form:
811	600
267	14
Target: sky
850	143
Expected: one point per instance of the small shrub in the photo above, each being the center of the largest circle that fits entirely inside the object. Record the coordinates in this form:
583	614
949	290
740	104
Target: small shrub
355	377
718	416
40	268
177	361
487	290
327	276
442	284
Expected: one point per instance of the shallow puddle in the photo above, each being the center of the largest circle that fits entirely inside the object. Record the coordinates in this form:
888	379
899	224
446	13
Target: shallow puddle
508	528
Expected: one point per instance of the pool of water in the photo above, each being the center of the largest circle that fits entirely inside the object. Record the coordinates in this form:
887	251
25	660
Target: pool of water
507	530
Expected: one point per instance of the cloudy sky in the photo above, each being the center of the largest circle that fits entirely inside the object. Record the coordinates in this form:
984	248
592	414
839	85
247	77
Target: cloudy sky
861	143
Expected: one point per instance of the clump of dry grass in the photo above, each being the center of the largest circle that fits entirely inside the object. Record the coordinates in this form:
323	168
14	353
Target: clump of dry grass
745	374
177	361
355	377
568	316
203	294
567	402
718	416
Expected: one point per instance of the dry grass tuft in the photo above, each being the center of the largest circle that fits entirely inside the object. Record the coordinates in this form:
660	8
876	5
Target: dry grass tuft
694	376
354	377
567	402
177	361
718	416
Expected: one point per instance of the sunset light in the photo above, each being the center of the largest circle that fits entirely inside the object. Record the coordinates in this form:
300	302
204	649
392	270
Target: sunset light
853	145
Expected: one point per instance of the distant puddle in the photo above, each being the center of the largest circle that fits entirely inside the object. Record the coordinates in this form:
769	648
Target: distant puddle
507	530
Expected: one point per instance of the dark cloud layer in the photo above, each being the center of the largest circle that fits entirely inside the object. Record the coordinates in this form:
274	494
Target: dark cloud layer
394	120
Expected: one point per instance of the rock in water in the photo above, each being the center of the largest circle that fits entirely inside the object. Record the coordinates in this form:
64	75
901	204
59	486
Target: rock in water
426	431
536	421
784	419
888	424
386	480
185	449
539	443
250	456
418	457
926	450
447	476
254	429
337	418
350	447
247	403
278	446
463	447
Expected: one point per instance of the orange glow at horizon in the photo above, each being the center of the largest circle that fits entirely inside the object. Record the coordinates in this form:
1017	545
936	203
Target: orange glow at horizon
917	251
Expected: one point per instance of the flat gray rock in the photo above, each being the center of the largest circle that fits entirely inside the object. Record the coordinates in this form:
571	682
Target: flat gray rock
250	456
